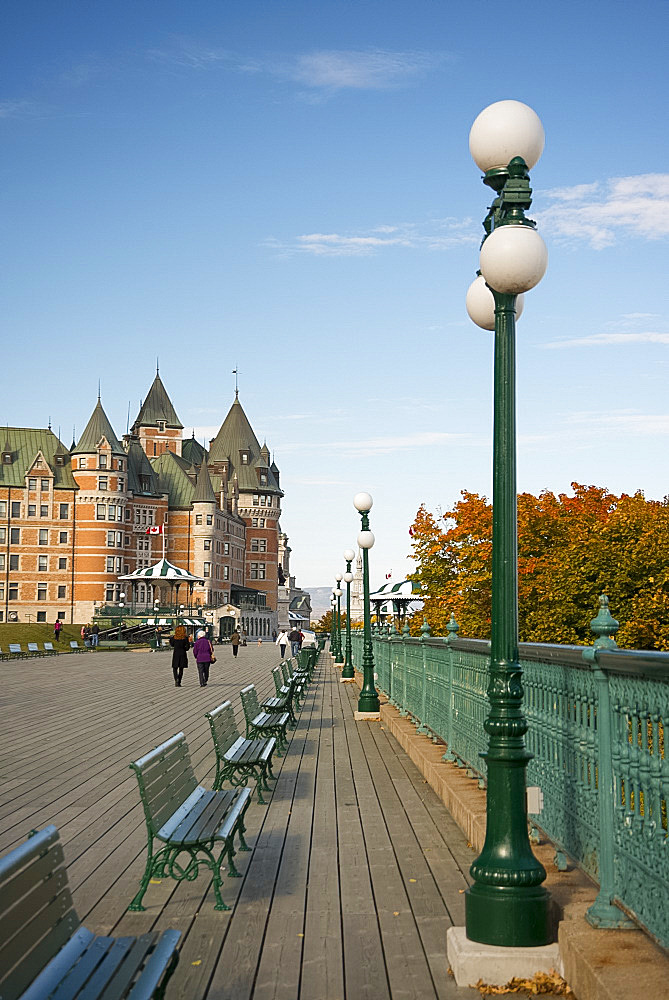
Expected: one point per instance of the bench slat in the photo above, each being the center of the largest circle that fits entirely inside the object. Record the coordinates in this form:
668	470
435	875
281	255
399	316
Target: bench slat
146	984
243	796
107	968
33	869
170	824
39	893
182	833
80	973
59	966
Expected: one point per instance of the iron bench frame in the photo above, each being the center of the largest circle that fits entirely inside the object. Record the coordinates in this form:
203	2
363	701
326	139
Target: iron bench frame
237	757
187	819
260	723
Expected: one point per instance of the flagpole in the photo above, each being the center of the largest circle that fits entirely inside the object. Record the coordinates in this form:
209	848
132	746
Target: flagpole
163	534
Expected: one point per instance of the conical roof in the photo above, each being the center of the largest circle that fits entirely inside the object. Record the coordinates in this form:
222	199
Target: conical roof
204	491
98	427
157	406
234	439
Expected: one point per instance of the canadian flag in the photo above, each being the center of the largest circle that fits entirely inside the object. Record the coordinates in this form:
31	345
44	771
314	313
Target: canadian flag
388	575
156	529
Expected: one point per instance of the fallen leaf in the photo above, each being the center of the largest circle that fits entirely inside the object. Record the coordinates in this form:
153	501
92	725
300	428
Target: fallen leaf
396	913
462	890
156	881
300	935
541	983
199	962
412	879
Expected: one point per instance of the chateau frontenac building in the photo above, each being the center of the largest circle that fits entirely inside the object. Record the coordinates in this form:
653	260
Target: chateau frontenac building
74	522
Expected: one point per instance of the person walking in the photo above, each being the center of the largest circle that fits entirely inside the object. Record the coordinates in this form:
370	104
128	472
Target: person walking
235	640
295	641
282	641
180	644
94	634
203	651
57	629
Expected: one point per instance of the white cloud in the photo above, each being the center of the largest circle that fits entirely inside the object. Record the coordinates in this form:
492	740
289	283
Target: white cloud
597	213
611	340
392	443
622	421
374	69
434	234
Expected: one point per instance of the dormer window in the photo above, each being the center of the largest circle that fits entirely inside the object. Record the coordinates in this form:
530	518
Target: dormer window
6	458
59	460
102	461
263	479
120	465
245	457
82	463
161	426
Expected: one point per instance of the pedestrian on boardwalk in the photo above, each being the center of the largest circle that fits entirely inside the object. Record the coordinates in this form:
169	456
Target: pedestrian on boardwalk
203	651
295	641
57	628
235	640
180	644
94	635
282	641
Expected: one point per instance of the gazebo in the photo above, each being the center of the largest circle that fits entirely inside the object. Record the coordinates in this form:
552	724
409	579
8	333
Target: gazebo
161	575
396	599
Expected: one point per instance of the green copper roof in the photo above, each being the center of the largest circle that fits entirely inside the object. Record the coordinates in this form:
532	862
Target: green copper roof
157	406
141	476
24	444
234	438
193	451
204	492
98	427
173	479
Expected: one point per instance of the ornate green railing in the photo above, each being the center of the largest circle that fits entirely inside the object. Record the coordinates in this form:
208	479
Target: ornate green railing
596	720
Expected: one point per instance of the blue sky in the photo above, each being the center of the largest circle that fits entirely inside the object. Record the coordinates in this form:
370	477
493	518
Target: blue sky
287	188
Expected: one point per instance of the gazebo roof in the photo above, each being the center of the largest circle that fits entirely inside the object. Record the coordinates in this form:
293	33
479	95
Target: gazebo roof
402	592
163	570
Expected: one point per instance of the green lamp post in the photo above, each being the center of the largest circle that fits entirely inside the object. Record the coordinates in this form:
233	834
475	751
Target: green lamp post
368	702
348	673
338	592
333	629
507	904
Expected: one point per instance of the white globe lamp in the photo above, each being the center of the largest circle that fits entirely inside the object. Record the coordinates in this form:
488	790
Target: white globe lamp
513	259
480	304
363	502
366	539
504	130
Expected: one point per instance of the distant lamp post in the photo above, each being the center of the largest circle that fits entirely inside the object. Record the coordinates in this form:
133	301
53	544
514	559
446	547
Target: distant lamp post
368	702
348	674
333	632
507	904
120	612
338	592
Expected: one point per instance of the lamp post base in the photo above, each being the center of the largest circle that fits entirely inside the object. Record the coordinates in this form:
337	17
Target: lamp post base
367	716
510	916
471	961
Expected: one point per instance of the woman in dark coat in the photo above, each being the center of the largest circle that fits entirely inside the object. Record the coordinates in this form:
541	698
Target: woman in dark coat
180	645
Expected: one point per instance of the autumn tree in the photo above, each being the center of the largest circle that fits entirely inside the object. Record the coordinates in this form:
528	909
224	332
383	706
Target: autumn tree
570	549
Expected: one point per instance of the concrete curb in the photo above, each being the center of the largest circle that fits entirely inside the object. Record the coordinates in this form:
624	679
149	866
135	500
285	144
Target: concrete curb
598	965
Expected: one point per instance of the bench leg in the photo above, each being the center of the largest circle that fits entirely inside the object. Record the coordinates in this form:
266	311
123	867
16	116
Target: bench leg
146	878
220	905
241	829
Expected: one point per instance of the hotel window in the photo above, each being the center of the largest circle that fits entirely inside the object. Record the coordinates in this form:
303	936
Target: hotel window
44	510
261	522
258	545
82	463
42	563
64	511
102	462
100	512
151	516
127	513
256	500
207	569
120	465
16	508
111	539
257	571
13	593
32	510
62	592
121	485
110	564
109	593
263	498
119	539
14	536
226	572
13	562
112	512
41	616
207	544
226	548
161	426
254	522
62	563
102	482
32	484
44	484
3	508
62	538
41	591
198	518
2	561
43	536
210	518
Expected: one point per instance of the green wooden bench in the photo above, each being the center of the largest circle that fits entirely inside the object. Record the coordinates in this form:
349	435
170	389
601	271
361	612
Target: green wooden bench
239	758
262	723
44	950
301	680
16	651
284	698
49	650
112	644
186	819
76	648
34	649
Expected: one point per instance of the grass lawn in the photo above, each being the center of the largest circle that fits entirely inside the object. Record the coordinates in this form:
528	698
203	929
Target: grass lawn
36	632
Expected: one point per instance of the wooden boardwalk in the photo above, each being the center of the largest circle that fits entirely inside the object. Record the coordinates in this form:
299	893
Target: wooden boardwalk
357	869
